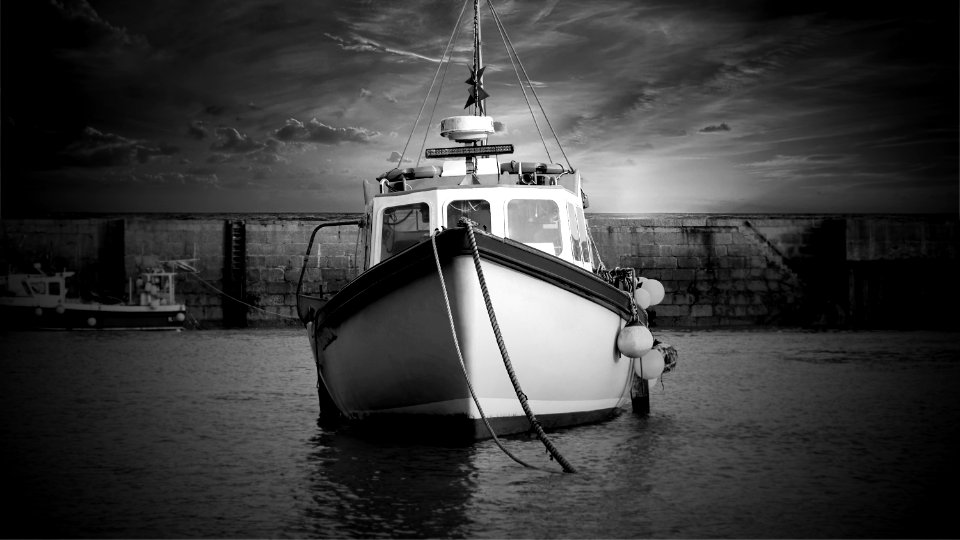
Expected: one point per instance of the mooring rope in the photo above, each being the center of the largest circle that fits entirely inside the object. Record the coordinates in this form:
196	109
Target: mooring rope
237	300
463	366
534	423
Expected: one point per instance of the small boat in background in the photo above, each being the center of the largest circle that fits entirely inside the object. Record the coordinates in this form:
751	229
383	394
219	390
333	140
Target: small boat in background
39	301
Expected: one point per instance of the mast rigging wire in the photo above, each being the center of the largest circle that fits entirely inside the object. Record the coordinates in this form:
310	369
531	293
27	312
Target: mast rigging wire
496	17
456	31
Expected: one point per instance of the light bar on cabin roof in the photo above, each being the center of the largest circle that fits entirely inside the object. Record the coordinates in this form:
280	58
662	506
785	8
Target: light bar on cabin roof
465	151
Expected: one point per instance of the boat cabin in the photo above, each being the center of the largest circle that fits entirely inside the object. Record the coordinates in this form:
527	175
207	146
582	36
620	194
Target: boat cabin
43	288
532	203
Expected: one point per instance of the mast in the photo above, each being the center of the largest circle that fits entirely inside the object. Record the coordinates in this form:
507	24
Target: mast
477	93
477	56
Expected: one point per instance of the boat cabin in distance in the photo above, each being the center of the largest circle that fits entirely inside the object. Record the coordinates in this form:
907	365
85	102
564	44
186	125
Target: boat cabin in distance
41	301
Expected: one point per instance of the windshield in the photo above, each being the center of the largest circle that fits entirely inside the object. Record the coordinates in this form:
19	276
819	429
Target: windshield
477	210
535	221
404	226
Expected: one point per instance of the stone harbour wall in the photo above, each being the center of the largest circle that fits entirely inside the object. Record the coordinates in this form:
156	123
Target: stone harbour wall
718	270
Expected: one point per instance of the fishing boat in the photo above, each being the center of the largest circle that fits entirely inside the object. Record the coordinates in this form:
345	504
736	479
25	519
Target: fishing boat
482	307
39	300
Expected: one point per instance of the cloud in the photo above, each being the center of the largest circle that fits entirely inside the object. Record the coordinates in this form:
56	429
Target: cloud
231	140
168	178
395	158
86	29
715	128
315	131
98	149
197	130
356	43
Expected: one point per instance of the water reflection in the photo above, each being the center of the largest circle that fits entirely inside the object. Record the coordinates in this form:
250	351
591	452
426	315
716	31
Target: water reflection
367	487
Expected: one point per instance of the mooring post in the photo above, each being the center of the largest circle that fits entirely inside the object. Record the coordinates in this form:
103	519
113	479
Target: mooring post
640	395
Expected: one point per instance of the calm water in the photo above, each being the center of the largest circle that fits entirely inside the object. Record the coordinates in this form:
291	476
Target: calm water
214	434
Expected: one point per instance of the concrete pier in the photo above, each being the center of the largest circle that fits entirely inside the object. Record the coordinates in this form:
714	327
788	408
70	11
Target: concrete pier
828	271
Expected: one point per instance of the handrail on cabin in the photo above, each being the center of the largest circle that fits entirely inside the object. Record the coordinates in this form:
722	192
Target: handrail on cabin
306	257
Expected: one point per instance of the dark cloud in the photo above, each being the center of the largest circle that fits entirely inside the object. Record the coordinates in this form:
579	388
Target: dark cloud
98	149
231	140
214	110
197	130
715	128
84	29
317	132
169	178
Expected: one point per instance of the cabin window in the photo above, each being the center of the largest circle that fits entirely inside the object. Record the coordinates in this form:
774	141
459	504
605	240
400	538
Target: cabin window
404	226
54	288
574	232
477	210
584	237
535	221
38	287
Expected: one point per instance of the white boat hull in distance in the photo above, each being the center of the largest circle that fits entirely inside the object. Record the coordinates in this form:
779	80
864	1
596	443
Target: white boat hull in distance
45	314
385	350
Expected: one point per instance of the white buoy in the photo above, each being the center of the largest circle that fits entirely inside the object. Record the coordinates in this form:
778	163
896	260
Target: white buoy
634	340
60	309
650	366
655	288
38	312
642	297
92	321
181	317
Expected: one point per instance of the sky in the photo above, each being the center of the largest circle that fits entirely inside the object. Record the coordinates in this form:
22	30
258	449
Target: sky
741	106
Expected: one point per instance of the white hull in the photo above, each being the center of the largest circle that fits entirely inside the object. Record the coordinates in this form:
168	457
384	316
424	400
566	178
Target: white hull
396	356
46	313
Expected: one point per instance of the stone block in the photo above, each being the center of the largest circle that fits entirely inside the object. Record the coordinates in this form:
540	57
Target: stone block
280	287
701	310
672	310
705	322
723	238
292	275
743	250
733	262
294	249
665	262
774	274
274	274
757	285
278	261
271	300
688	262
669	238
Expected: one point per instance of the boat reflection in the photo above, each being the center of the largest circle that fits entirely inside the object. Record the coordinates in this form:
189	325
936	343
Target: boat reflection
365	486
